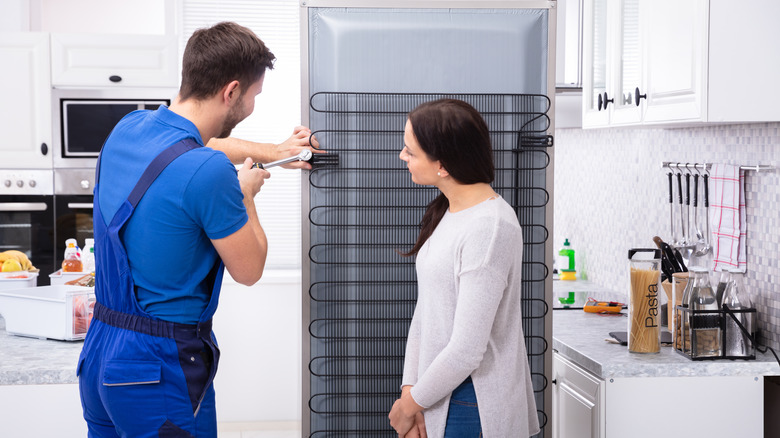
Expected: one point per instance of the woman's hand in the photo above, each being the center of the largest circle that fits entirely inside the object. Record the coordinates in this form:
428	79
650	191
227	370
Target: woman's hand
418	430
403	416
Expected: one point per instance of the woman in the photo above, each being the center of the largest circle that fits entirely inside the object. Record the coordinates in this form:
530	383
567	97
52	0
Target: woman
465	371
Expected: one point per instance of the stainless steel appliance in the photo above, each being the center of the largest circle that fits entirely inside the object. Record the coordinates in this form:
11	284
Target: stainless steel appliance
365	66
83	118
27	217
73	197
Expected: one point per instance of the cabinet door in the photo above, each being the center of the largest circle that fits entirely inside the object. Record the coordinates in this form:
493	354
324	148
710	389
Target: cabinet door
114	60
675	51
595	63
577	399
25	115
628	63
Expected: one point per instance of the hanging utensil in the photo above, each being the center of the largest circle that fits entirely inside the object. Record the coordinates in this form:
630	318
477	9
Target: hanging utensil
680	239
695	230
706	248
686	237
672	231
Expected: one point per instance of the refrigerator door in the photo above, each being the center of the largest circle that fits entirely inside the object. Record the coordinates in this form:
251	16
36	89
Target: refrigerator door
364	69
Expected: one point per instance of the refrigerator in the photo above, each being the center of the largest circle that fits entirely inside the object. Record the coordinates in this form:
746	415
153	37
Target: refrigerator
365	65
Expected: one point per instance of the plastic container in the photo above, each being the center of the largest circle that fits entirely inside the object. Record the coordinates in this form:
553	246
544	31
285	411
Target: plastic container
565	262
88	256
18	280
644	323
59	277
72	260
48	312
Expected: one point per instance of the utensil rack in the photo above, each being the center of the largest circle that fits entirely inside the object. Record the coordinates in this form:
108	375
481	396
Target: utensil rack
706	166
687	317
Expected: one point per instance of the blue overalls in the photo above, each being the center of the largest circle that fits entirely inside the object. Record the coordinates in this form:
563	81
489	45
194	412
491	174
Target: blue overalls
140	376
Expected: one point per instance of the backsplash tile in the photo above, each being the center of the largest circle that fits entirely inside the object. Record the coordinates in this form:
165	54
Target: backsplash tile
611	194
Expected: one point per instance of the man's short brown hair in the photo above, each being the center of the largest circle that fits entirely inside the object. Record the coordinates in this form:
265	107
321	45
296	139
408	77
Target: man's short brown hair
217	55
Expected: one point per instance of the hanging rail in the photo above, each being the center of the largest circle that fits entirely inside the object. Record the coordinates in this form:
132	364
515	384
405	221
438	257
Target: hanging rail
706	166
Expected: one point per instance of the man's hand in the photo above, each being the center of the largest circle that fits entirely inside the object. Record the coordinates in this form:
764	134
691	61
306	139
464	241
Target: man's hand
251	180
300	139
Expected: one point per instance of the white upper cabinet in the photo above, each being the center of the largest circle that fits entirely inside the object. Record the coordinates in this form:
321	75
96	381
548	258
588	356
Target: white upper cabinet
25	116
114	60
665	62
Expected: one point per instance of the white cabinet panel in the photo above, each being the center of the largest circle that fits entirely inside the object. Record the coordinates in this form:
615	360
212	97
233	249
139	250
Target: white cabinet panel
675	60
25	115
577	399
114	60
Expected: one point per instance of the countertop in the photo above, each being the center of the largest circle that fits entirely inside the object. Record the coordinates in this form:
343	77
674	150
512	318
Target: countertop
581	338
31	361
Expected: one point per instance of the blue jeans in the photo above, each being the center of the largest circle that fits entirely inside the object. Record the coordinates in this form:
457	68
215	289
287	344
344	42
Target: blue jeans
463	416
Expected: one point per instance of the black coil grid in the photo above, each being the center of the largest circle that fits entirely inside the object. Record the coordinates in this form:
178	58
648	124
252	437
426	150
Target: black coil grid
366	209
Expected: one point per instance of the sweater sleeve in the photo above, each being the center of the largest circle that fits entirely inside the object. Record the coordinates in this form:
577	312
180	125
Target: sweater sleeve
481	281
412	356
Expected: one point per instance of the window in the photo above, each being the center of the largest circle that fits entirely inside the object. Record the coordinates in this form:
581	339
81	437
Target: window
277	109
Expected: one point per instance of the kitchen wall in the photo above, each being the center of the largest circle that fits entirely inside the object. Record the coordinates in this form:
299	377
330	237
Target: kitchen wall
611	194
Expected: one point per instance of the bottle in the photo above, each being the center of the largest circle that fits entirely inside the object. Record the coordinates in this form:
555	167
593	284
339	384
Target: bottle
723	281
72	261
88	257
705	316
737	299
566	268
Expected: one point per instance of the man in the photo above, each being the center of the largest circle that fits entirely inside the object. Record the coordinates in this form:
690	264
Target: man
169	215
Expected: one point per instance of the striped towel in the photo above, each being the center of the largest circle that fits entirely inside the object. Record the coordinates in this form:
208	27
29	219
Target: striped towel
728	218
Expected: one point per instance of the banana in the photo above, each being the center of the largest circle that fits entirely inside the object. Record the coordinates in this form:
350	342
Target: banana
19	257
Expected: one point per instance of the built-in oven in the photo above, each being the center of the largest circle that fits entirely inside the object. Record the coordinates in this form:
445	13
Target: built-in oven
72	207
27	217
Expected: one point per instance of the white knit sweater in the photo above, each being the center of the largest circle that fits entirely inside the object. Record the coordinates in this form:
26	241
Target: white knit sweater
468	322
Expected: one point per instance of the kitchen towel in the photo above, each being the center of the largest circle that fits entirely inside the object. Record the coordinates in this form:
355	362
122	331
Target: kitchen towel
727	215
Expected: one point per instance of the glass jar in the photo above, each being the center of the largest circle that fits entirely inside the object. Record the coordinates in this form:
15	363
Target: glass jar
679	286
737	298
705	320
644	325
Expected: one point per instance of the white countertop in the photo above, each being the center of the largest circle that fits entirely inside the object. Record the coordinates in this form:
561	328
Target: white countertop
580	337
31	361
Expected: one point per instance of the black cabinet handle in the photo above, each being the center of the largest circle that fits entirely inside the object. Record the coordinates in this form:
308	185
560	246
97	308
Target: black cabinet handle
115	78
639	96
607	101
44	149
554	381
601	102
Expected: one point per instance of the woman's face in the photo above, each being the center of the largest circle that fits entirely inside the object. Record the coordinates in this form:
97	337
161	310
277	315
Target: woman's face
423	169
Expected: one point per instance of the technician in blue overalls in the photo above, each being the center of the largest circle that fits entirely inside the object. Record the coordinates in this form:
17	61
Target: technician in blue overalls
169	215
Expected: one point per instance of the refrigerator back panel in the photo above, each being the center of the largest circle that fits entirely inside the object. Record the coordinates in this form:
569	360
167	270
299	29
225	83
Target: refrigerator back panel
367	68
428	50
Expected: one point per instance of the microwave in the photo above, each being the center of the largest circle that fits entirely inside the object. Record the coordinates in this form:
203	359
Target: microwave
83	119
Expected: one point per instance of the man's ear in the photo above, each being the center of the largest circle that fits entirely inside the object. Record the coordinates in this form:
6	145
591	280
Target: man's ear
231	92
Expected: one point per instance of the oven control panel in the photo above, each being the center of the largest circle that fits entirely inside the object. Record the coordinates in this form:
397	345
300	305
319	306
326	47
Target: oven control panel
26	182
74	181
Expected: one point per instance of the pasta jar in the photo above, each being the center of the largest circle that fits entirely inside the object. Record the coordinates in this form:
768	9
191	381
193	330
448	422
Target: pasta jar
644	328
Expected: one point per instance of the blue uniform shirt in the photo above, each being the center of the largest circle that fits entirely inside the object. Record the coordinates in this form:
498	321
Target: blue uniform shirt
195	199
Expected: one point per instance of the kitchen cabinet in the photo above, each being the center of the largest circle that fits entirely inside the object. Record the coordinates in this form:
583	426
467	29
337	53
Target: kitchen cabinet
25	116
601	390
114	60
671	63
577	400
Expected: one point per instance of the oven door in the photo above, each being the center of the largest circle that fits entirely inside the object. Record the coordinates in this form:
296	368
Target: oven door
27	225
73	219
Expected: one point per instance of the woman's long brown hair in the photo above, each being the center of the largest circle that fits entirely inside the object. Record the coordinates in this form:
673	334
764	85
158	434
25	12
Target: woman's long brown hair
454	133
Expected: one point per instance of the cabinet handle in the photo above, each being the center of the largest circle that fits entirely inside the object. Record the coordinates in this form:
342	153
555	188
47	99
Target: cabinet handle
606	101
639	96
44	149
554	381
115	78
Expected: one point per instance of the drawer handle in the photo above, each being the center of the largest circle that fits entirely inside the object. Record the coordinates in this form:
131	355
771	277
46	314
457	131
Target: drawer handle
605	101
115	78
